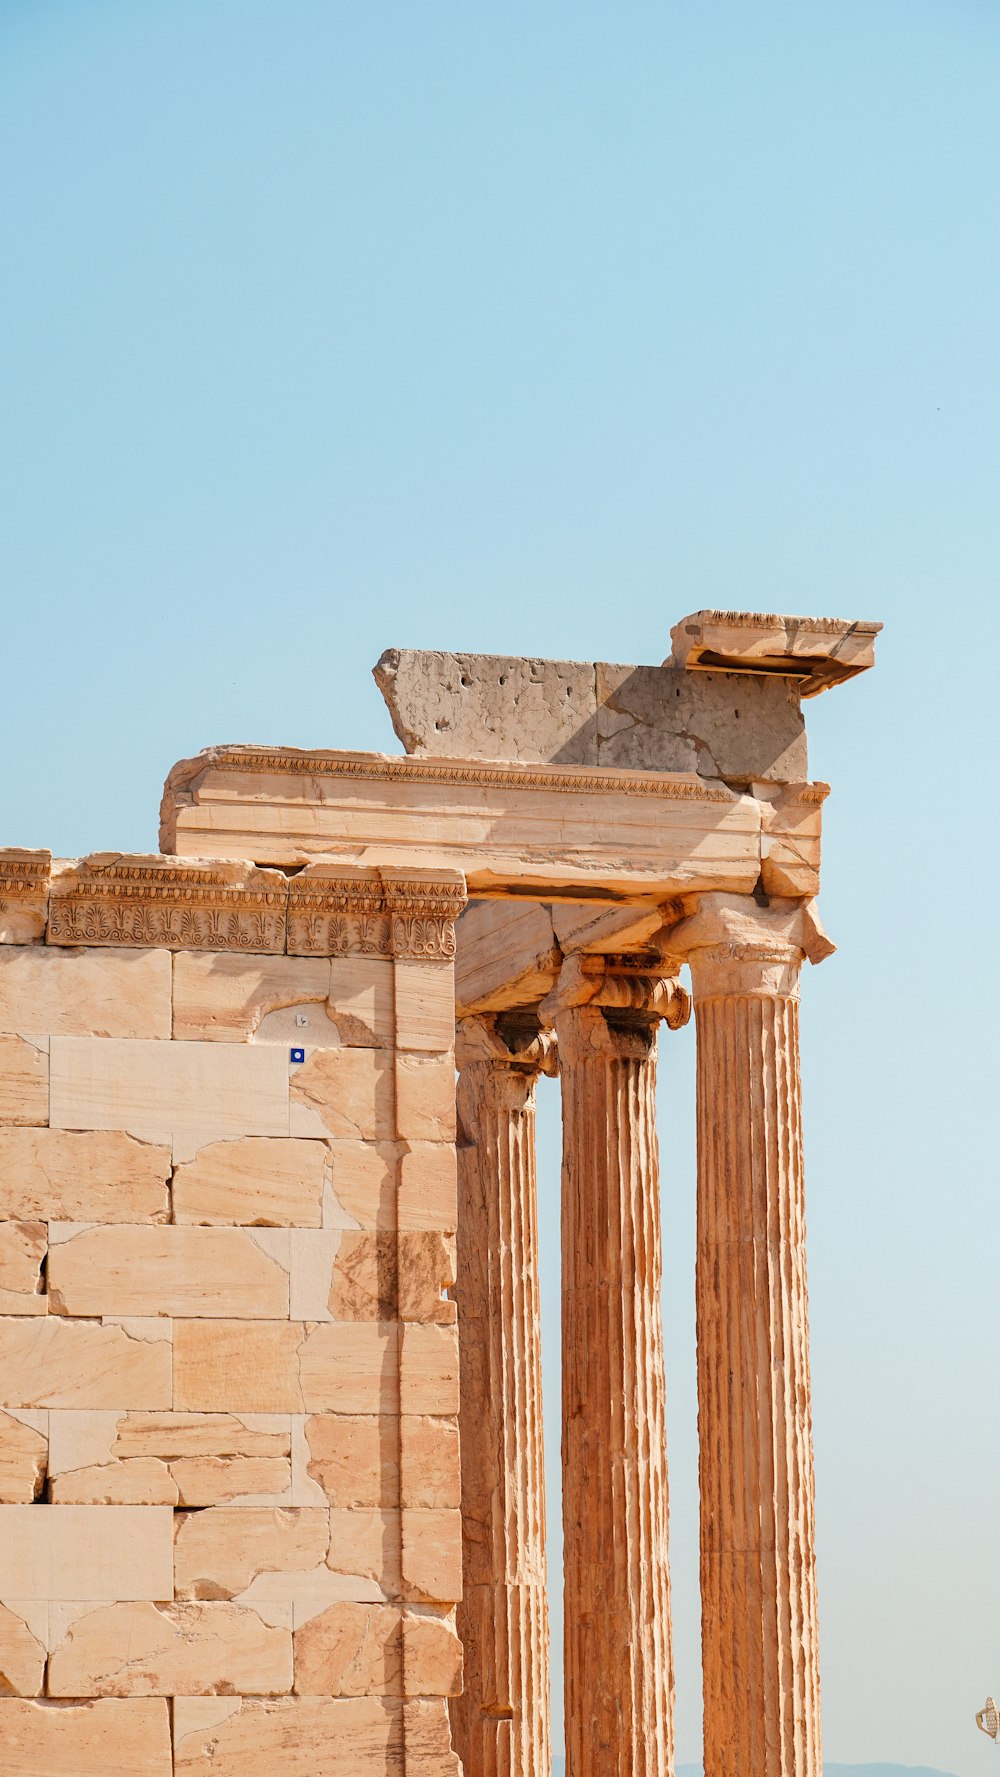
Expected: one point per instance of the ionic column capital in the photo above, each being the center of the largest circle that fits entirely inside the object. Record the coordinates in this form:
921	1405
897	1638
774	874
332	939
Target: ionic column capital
738	946
635	982
505	1040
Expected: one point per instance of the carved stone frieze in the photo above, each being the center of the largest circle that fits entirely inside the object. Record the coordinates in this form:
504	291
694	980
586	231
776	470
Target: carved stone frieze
333	912
24	894
111	898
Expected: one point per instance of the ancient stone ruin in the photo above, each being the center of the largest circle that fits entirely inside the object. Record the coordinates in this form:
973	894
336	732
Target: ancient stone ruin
271	1434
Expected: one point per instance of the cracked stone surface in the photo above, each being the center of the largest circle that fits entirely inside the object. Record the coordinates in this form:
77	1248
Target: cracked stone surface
636	718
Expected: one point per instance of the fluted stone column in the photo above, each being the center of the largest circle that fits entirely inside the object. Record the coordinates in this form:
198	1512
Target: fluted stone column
619	1683
758	1579
501	1721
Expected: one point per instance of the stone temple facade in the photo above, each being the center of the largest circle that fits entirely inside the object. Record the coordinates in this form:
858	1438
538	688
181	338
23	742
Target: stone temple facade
269	1332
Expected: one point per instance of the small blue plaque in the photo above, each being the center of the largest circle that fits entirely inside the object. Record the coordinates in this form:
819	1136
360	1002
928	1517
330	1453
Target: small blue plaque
297	1054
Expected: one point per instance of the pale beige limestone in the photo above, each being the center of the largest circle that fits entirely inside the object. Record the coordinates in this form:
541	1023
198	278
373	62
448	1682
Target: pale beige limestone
646	718
204	1272
351	1650
174	1436
86	1552
224	997
51	1362
218	1552
42	1739
23	1247
429	1463
816	651
140	1482
501	1719
236	1366
161	1092
425	1006
791	837
187	1649
361	1002
306	1489
298	1736
619	1682
312	1257
598	930
427	1731
23	1461
257	1181
428	1370
24	1081
432	1556
758	1578
342	1092
354	1458
432	1655
425	1098
24	894
22	1657
351	1369
425	1272
366	1545
215	1480
547	827
93	993
363	1178
428	1188
59	1175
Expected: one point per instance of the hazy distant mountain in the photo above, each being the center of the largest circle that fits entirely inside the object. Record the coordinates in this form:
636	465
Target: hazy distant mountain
559	1770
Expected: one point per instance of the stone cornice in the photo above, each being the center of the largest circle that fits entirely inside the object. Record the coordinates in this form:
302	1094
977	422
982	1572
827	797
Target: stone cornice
388	768
137	901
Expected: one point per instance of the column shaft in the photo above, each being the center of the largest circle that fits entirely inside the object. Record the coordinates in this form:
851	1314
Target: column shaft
618	1667
501	1722
759	1617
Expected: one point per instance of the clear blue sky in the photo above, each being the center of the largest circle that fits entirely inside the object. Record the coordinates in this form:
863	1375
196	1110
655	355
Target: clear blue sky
530	327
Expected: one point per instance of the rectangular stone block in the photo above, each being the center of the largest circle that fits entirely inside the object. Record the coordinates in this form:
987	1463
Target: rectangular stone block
354	1458
351	1368
425	1269
430	1465
204	1091
23	1455
225	997
432	1656
351	1650
22	1656
297	1736
169	1650
425	1006
91	993
425	1098
143	1482
218	1553
428	1370
363	1284
363	1179
24	1081
42	1739
24	894
217	1480
23	1246
175	1436
345	1093
206	1272
62	1176
432	1556
427	1732
256	1181
428	1188
83	1552
50	1362
361	1001
237	1366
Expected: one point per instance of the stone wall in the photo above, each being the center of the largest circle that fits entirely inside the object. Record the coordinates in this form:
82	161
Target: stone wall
230	1536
